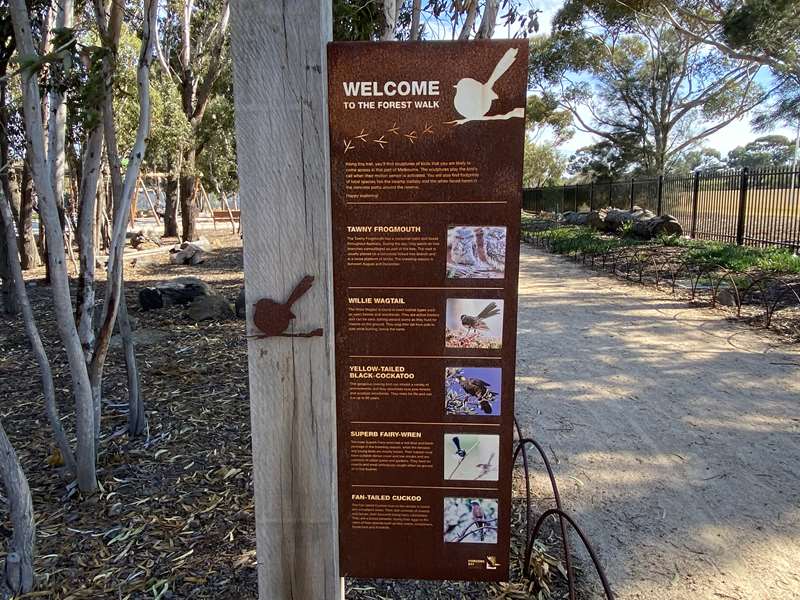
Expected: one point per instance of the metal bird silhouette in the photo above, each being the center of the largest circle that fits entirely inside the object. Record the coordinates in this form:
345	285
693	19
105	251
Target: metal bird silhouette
473	99
272	319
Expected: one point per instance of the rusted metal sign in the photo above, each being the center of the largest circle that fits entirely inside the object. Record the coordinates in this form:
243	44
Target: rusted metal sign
426	175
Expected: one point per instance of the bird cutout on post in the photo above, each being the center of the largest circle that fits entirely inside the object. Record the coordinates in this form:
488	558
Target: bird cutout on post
272	319
474	99
486	467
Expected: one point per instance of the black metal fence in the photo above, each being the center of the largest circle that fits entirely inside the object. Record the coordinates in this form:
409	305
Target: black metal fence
753	207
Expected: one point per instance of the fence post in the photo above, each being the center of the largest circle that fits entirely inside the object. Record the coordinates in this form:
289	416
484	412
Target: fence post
591	196
563	198
660	195
740	222
575	197
695	201
631	193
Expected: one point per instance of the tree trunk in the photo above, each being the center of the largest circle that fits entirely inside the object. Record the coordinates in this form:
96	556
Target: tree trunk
469	20
391	8
416	9
87	212
171	191
18	572
28	318
28	249
9	300
62	303
114	280
57	127
137	422
486	28
188	205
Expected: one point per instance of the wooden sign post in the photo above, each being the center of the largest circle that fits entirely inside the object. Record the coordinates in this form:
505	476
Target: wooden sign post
282	141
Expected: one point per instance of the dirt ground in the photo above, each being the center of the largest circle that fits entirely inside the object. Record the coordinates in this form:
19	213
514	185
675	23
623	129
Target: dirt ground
675	433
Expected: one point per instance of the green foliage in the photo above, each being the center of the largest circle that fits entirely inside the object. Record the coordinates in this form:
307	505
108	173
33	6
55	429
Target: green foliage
763	152
169	128
637	84
543	114
543	165
574	239
355	20
609	160
703	159
738	258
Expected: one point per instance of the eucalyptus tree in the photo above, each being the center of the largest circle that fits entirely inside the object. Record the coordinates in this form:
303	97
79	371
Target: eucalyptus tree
637	79
85	354
430	19
194	51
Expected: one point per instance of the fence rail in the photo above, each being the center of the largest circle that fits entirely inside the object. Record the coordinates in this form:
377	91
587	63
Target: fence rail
758	207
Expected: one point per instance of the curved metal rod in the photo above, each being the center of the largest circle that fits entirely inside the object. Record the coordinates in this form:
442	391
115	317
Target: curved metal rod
523	442
759	283
565	517
728	274
527	479
778	296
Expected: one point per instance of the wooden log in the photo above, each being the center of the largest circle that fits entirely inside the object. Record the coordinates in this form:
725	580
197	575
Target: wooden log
645	224
282	148
657	226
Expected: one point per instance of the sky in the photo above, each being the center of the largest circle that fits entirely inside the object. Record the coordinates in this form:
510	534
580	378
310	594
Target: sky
738	133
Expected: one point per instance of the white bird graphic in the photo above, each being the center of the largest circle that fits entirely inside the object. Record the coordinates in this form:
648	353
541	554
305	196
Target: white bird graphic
474	99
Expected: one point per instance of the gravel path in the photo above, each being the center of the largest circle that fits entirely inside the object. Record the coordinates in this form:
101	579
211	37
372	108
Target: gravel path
675	433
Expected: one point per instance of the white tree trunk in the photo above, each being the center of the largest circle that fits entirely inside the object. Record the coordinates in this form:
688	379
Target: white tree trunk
486	28
122	203
28	318
48	211
416	9
469	20
137	422
87	222
277	47
391	8
57	128
18	572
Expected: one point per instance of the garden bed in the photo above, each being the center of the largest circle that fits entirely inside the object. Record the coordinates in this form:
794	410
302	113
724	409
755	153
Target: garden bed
758	285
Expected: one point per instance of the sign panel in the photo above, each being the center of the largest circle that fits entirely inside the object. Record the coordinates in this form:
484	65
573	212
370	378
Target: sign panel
426	177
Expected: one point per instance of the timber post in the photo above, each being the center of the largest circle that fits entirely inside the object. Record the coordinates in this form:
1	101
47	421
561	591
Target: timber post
279	60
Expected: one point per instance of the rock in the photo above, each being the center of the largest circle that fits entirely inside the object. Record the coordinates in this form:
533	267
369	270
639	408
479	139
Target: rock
203	308
190	253
181	290
241	308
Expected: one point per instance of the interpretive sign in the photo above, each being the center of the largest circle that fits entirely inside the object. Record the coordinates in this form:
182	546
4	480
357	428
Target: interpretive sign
426	184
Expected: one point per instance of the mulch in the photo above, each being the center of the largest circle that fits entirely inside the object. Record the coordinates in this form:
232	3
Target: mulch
175	515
